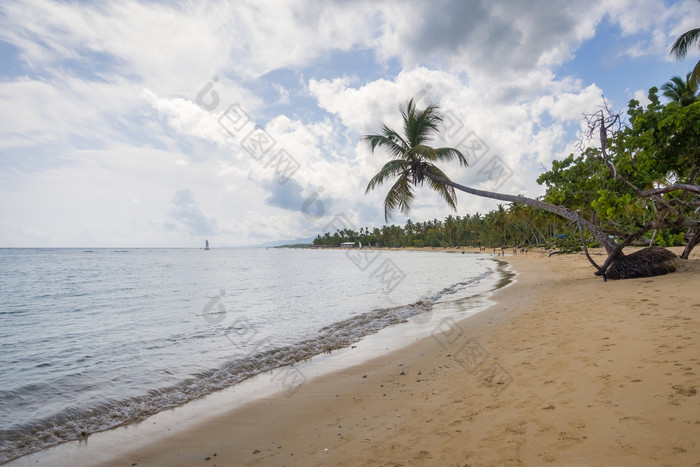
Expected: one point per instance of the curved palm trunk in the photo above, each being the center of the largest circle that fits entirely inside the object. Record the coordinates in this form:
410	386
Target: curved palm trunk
602	237
535	231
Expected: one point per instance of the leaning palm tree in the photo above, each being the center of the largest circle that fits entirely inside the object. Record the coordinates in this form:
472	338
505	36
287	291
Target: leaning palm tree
413	159
680	47
679	91
413	162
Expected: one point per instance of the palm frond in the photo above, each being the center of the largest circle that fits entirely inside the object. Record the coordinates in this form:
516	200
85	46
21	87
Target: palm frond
673	89
427	123
445	191
679	90
694	80
449	154
400	196
388	143
394	135
420	152
391	169
419	125
680	46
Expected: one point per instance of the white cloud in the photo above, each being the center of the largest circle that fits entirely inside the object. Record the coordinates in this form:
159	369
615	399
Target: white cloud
517	132
642	96
572	106
101	125
187	213
156	45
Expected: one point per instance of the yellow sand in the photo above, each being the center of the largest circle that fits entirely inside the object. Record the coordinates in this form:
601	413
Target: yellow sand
564	369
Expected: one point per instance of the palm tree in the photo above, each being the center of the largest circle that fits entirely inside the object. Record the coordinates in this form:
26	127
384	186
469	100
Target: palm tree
680	47
413	159
413	163
679	91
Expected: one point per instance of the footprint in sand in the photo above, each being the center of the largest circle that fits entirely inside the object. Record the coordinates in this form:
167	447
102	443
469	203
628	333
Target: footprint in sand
423	455
688	391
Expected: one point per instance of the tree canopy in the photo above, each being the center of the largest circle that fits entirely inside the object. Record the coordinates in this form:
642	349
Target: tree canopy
643	178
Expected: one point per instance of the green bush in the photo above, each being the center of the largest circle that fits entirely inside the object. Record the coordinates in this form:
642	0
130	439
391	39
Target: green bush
570	244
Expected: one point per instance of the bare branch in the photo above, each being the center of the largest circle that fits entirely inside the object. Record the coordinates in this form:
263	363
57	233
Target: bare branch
668	189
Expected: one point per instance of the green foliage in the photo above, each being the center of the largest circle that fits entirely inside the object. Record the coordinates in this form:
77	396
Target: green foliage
412	158
659	147
568	244
679	91
610	205
511	226
574	182
667	238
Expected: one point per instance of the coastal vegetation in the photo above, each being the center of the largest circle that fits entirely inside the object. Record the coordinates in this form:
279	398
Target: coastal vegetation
634	181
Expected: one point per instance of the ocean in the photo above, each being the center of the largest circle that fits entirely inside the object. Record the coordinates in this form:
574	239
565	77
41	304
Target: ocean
92	339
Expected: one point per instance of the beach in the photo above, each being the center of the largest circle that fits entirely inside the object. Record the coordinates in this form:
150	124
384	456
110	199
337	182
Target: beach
564	369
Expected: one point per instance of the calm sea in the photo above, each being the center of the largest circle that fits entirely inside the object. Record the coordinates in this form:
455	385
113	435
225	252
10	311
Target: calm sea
93	339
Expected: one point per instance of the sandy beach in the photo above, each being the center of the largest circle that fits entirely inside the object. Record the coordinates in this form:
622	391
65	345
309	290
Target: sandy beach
564	369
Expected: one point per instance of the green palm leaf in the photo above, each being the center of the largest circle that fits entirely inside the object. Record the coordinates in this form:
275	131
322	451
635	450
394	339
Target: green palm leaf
445	191
680	46
391	169
680	91
450	154
386	143
419	125
679	50
400	196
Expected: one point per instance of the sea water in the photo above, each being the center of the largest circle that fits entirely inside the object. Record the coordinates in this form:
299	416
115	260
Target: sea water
91	339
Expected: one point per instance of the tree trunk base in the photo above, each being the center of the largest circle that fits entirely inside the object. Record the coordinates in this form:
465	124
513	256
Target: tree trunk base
653	261
694	239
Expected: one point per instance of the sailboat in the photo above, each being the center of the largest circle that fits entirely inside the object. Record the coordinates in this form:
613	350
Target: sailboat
206	244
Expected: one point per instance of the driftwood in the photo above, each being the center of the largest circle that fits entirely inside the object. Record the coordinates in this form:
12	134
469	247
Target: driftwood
653	261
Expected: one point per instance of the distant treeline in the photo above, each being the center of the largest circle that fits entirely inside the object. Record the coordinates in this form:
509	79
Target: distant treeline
513	226
516	226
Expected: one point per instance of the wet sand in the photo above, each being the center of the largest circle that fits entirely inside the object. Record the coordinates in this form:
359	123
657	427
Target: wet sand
563	369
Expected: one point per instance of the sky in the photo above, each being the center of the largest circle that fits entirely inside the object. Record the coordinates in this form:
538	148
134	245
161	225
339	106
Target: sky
162	124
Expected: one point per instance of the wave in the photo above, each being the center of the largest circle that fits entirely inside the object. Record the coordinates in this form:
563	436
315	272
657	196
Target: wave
78	423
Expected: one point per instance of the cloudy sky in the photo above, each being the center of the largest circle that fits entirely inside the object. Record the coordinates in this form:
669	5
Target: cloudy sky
128	123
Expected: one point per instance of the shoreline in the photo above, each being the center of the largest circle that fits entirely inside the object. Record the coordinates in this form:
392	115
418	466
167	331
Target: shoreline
395	335
590	373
